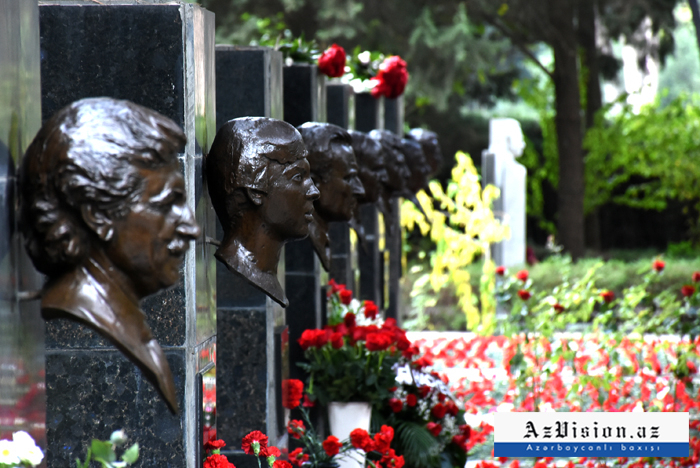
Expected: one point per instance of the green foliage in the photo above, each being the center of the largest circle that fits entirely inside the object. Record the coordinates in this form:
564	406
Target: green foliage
104	452
416	444
644	159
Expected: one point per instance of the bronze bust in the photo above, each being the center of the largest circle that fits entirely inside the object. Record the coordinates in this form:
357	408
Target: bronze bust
431	147
396	167
262	192
334	171
417	165
104	215
370	163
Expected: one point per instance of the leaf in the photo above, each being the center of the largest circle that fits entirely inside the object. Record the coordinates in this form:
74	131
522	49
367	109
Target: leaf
415	443
131	454
103	450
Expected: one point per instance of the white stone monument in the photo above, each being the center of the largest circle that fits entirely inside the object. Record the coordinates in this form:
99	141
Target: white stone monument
499	168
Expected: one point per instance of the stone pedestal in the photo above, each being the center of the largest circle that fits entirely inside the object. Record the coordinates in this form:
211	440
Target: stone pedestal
369	115
340	105
500	168
22	398
252	348
393	121
160	56
304	101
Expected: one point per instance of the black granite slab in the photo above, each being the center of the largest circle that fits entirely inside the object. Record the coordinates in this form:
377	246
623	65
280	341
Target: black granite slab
394	115
304	94
369	259
341	261
340	105
93	393
369	112
132	52
248	83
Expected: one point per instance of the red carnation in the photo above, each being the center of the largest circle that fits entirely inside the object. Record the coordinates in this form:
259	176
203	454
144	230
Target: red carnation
559	308
371	310
292	391
390	460
500	270
522	275
391	79
345	296
466	430
696	277
359	438
608	296
452	408
383	439
270	451
308	403
424	390
297	457
688	290
411	400
434	428
331	445
332	61
214	445
658	265
296	428
218	461
378	341
254	443
460	441
524	294
281	464
395	404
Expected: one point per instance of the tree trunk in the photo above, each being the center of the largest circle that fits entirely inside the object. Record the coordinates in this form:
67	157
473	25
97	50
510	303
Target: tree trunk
594	99
696	19
568	123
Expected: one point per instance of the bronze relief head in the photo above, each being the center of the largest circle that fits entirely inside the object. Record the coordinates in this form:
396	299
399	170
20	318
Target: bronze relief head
417	165
260	185
104	215
431	147
395	163
334	171
370	163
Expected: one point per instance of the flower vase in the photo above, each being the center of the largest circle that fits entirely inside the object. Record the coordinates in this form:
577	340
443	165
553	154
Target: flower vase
344	418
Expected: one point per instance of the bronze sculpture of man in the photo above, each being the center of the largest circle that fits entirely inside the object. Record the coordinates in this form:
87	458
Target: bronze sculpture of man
334	171
262	192
431	147
105	217
396	167
418	166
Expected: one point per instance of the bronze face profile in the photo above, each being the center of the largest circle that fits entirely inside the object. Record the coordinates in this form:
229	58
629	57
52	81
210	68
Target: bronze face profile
105	217
260	186
370	163
417	164
431	147
334	171
396	167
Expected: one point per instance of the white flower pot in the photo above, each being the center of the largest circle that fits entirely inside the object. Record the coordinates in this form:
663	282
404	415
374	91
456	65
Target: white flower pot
344	418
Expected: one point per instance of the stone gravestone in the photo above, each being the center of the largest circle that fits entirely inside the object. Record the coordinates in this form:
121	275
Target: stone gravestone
160	56
499	168
22	398
369	115
253	346
304	101
393	121
341	111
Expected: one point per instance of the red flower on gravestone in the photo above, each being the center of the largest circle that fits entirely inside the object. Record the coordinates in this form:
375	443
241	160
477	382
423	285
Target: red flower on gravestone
254	443
395	404
559	308
270	451
214	445
434	428
500	270
411	400
658	265
349	320
332	61
383	438
331	445
281	464
378	341
292	392
391	79
522	275
297	457
696	277
296	428
438	411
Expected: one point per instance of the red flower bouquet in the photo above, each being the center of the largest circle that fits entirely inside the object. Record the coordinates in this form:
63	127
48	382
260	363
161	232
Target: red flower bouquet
332	61
391	79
